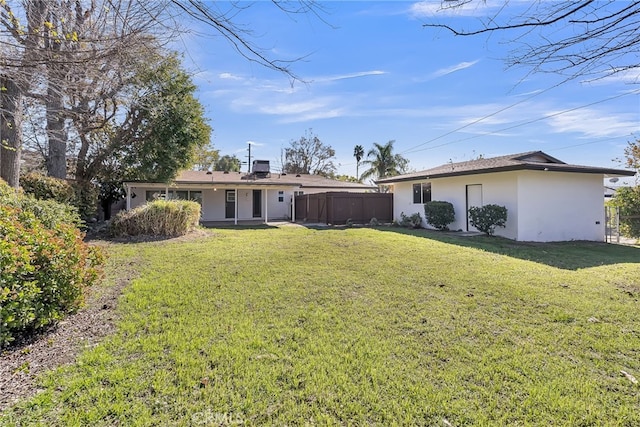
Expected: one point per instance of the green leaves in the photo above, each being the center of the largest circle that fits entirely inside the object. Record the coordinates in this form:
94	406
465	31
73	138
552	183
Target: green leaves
486	218
44	263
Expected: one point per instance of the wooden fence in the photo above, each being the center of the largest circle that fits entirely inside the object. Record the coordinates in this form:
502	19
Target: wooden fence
337	208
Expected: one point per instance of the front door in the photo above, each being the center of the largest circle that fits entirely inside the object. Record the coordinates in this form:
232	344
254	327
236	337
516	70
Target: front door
257	203
230	204
474	198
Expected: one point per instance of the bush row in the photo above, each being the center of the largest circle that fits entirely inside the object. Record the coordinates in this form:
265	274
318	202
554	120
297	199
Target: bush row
44	263
82	195
157	218
485	218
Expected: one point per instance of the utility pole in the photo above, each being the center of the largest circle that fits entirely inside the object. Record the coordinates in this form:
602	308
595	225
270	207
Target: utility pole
249	157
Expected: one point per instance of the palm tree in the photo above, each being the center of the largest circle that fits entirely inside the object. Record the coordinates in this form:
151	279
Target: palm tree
358	153
383	163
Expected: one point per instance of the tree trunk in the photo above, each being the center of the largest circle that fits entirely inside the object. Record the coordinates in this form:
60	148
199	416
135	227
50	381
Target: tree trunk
10	131
57	155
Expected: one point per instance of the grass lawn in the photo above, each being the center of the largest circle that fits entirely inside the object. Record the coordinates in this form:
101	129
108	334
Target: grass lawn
294	326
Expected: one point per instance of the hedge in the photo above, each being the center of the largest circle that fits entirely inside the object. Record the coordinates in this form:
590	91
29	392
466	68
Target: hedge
44	263
82	195
157	218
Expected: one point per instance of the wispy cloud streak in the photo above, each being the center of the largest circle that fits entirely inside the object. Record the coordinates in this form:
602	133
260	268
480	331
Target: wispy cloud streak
448	70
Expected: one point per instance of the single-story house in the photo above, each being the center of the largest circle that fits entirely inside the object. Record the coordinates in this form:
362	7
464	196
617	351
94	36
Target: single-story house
546	199
239	196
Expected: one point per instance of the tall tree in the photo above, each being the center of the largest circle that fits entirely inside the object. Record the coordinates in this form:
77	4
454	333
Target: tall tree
11	99
206	158
71	56
576	38
383	162
160	132
309	155
228	163
18	57
632	156
66	47
358	153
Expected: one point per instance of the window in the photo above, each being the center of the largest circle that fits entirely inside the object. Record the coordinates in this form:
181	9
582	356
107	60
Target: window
196	196
281	196
152	195
231	196
298	193
422	193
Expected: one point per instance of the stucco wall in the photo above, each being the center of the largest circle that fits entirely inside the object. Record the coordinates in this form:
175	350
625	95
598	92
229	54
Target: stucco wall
542	206
560	206
403	200
498	188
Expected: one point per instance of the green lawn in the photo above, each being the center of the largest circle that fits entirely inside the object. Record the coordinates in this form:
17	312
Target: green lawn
294	326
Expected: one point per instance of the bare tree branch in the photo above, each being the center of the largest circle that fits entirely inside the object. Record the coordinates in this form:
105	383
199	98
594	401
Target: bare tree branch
577	38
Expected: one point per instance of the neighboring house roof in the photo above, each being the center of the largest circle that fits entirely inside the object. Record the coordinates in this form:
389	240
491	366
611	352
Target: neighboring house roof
532	160
273	179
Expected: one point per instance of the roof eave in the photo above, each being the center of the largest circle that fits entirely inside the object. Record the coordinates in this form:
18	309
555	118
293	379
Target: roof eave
535	167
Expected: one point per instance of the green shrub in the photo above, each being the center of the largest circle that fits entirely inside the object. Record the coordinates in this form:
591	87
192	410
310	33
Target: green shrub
488	217
412	221
85	199
439	214
157	218
82	195
44	263
627	200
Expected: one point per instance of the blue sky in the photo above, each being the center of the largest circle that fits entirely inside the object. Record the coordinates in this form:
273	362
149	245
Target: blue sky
372	73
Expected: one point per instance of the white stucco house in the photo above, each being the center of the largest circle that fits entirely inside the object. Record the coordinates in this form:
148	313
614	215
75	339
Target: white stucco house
239	196
547	200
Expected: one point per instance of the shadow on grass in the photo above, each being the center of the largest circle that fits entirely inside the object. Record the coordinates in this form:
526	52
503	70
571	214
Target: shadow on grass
240	226
566	255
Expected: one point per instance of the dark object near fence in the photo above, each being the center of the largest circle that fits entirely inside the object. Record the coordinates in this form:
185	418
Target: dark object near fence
338	207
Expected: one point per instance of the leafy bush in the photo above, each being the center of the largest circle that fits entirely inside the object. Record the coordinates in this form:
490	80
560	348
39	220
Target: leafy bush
412	221
82	195
157	218
374	222
85	199
627	200
439	214
488	217
44	263
47	188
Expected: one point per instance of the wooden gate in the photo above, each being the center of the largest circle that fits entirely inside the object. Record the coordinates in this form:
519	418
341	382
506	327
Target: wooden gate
337	207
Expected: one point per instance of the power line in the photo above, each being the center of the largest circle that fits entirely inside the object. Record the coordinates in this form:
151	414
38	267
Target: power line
412	149
517	125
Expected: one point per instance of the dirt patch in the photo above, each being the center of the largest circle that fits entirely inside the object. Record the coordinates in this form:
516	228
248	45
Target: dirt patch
22	362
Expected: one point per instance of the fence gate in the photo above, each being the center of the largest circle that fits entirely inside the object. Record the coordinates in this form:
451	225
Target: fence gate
612	227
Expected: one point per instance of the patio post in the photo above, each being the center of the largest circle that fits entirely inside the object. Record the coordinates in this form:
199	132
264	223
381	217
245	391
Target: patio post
293	207
266	205
235	216
127	189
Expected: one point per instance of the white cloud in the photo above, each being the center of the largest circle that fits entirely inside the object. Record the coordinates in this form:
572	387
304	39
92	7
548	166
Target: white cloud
452	69
229	76
349	76
620	76
593	123
430	8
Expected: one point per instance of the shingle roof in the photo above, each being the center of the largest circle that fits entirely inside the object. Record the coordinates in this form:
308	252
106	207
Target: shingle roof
273	179
531	160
